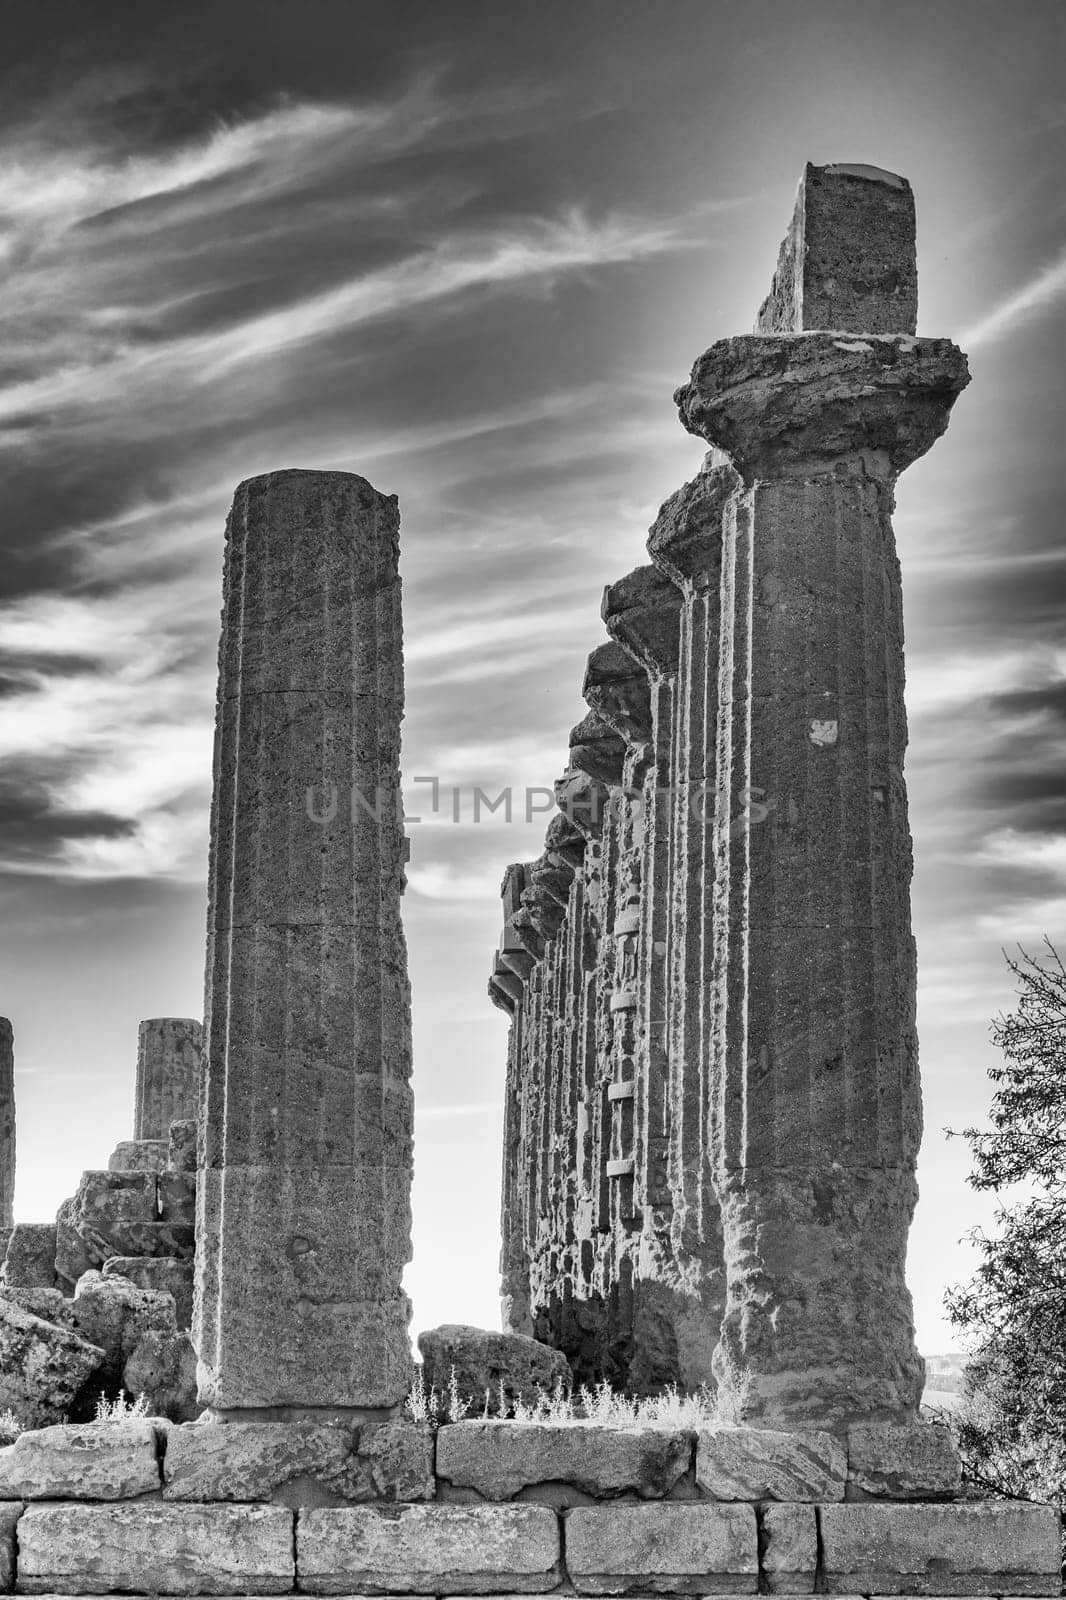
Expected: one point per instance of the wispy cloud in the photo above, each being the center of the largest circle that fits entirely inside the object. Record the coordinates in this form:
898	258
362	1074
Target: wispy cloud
1025	303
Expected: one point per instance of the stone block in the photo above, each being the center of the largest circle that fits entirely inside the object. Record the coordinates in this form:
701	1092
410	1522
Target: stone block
663	1549
428	1550
916	1462
166	1274
788	1548
486	1360
848	260
394	1462
252	1460
138	1155
766	1464
177	1198
498	1459
9	1516
51	1305
115	1314
162	1367
181	1146
30	1260
42	1366
81	1461
989	1547
152	1548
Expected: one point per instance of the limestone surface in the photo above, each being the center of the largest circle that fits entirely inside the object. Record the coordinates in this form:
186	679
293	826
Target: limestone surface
484	1360
51	1305
766	1464
7	1124
918	1462
181	1146
499	1459
304	1196
662	1549
42	1367
113	1314
788	1548
9	1516
435	1549
168	1074
81	1461
162	1367
30	1262
164	1274
152	1548
1000	1547
138	1155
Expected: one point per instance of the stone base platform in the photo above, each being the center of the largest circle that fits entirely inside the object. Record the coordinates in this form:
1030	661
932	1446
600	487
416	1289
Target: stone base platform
489	1508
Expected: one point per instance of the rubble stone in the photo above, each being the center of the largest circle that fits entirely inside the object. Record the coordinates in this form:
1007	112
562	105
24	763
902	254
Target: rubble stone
304	1194
498	1459
162	1367
81	1461
916	1462
996	1547
164	1274
486	1360
42	1367
51	1305
763	1464
438	1549
30	1261
153	1548
114	1314
662	1549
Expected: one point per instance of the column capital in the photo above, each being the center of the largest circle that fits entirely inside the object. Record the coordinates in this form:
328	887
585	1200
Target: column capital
597	751
803	404
685	540
617	687
642	613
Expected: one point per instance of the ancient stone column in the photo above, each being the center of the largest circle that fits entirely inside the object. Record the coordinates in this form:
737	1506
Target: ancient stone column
168	1074
7	1126
303	1223
815	1105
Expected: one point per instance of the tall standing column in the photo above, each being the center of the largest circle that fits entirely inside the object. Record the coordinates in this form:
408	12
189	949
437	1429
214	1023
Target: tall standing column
815	1110
168	1074
304	1200
7	1125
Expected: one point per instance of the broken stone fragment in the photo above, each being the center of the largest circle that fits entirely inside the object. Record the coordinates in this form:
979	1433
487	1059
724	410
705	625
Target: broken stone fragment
30	1259
162	1367
154	1548
81	1461
138	1155
768	1464
662	1548
915	1462
165	1273
51	1305
436	1549
498	1459
114	1314
486	1360
181	1146
42	1366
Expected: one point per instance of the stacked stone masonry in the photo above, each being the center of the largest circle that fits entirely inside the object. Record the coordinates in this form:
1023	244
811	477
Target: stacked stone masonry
713	1108
492	1508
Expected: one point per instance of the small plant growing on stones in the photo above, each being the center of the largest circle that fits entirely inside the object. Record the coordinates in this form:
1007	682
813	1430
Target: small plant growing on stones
10	1427
457	1406
420	1405
122	1408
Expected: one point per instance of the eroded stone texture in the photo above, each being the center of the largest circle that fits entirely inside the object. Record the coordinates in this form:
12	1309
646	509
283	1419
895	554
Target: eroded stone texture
138	1155
169	1053
916	1462
162	1368
998	1547
815	1110
166	1274
848	259
113	1314
42	1366
499	1459
30	1260
484	1360
765	1464
181	1146
428	1550
788	1548
304	1196
51	1305
9	1516
7	1124
662	1549
81	1461
152	1548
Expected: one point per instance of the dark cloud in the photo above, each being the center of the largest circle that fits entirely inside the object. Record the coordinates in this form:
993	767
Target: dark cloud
35	826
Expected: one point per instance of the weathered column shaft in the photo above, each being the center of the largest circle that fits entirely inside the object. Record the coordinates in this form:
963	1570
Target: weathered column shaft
815	1111
304	1200
169	1053
7	1126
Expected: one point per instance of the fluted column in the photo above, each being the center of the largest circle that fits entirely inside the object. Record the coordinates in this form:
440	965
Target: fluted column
7	1125
303	1226
168	1074
815	1110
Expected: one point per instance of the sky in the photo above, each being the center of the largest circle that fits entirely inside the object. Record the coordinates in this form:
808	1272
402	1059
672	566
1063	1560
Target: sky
468	251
